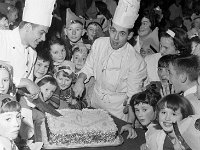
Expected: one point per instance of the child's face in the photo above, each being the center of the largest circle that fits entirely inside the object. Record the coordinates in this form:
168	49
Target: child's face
144	29
47	90
4	24
10	124
167	117
12	17
74	32
163	74
4	81
63	82
58	53
146	50
175	79
92	30
41	67
144	113
167	46
79	59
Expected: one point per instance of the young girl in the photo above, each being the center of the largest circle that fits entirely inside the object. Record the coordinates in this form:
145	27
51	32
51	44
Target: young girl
63	97
173	41
6	82
10	116
57	51
144	105
170	109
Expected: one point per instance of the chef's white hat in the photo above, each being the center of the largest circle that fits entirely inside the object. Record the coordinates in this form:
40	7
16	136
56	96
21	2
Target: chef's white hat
38	12
126	13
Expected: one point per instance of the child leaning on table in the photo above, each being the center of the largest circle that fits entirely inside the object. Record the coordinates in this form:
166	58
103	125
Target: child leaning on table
143	104
63	97
79	56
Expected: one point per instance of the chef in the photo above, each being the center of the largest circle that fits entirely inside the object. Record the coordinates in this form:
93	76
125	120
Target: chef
18	45
118	69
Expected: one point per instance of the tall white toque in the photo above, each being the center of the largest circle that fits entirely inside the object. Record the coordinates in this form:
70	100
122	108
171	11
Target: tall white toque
38	12
126	13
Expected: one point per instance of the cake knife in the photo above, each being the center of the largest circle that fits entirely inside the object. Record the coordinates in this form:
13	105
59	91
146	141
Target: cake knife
39	103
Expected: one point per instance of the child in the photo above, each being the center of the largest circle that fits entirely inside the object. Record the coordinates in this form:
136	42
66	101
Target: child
79	55
73	30
47	86
144	105
173	41
195	45
10	116
170	109
94	31
64	97
41	66
183	75
3	22
10	11
6	82
57	51
163	74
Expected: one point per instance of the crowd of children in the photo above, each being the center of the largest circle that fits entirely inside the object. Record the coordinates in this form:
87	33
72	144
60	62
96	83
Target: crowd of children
171	89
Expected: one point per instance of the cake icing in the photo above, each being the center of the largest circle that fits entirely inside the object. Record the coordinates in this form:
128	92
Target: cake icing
79	128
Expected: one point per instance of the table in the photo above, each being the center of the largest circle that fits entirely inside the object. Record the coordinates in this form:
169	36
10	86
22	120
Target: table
129	144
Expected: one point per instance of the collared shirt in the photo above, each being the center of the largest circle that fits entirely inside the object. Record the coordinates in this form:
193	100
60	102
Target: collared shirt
191	90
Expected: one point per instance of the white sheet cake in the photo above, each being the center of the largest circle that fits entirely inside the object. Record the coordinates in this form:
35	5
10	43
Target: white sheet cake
80	128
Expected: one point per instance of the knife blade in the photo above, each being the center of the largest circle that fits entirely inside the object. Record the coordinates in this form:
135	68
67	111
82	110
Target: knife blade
39	103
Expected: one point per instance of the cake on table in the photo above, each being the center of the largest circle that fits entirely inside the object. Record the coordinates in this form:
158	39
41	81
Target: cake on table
80	128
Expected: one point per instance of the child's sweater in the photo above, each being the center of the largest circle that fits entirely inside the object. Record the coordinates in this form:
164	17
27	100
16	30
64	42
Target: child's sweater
63	99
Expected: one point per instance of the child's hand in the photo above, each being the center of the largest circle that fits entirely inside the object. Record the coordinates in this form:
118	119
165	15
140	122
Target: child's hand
167	89
131	132
144	147
73	102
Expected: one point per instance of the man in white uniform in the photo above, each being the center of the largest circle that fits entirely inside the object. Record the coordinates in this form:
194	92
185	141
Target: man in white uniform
118	69
18	49
17	46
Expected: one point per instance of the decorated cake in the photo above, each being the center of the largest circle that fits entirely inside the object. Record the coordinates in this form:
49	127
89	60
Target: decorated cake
80	128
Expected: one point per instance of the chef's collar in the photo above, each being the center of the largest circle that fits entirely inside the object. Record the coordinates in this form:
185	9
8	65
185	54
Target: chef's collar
120	49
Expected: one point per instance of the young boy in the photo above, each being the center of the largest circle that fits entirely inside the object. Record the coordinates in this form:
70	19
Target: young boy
63	97
183	74
41	65
80	53
74	30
